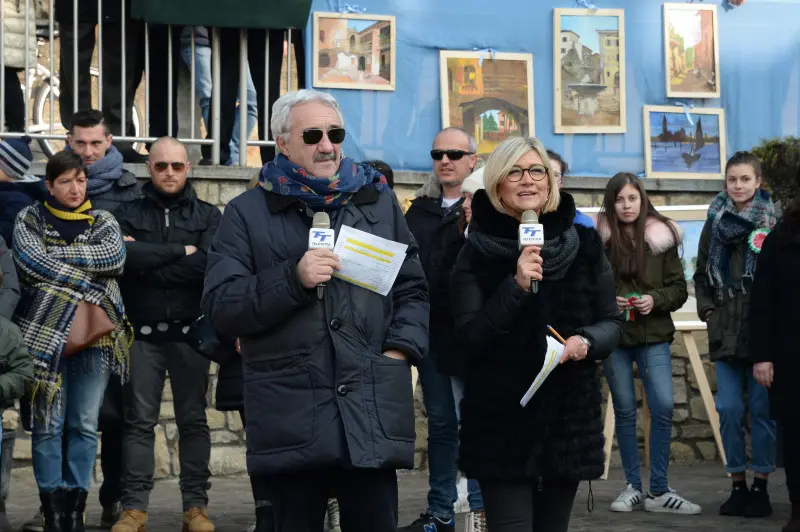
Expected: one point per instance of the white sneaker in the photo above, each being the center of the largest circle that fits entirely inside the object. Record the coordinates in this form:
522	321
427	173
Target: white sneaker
476	522
629	499
670	503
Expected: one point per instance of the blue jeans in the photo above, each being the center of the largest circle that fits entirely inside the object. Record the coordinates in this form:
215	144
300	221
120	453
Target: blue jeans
473	489
655	369
731	378
442	439
202	80
82	390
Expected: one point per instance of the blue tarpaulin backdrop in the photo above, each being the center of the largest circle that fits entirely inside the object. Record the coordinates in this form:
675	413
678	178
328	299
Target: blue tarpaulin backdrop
759	63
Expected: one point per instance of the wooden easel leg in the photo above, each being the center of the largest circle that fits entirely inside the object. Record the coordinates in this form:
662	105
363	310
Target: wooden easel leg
705	390
414	379
608	432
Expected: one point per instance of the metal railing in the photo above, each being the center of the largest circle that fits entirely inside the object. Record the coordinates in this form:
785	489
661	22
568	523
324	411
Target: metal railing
42	85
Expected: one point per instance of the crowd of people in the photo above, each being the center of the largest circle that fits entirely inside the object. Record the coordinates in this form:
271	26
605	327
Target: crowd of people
120	283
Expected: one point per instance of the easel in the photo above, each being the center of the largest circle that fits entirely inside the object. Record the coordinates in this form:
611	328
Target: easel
685	328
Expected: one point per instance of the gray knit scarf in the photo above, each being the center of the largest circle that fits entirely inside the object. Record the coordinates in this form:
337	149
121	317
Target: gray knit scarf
557	253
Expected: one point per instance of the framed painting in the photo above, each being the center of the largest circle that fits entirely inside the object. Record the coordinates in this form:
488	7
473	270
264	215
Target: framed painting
684	145
691	218
489	95
353	51
691	50
589	70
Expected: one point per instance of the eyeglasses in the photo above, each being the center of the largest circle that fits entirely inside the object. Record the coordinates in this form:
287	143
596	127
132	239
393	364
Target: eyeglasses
161	166
537	173
453	155
314	135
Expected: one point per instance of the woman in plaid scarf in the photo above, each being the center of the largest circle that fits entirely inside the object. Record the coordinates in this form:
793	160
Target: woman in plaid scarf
67	252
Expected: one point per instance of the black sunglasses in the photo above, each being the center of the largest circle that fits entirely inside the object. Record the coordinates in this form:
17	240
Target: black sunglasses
161	166
453	155
314	135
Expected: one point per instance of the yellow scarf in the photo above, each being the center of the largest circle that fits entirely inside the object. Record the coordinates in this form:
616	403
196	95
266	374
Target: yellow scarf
77	214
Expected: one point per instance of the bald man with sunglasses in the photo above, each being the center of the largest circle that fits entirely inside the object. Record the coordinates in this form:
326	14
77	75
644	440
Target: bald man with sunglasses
167	234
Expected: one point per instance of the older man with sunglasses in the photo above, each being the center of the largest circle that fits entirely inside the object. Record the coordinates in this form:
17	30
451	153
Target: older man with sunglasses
327	376
167	234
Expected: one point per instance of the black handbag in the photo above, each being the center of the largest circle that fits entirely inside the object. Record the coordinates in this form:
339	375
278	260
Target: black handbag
205	340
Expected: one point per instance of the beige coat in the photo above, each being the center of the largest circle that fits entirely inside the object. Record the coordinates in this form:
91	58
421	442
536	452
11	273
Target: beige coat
14	34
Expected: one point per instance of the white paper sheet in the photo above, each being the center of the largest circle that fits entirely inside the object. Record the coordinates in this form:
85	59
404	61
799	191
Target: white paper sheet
551	360
367	260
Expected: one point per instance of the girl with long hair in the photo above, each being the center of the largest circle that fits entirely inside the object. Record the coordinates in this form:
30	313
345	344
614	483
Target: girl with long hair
642	246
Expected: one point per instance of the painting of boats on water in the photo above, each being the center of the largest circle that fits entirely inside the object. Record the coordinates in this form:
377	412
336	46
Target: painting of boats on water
589	70
684	145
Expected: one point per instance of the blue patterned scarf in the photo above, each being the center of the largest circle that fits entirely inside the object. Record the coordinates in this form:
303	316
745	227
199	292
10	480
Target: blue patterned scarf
101	175
729	228
281	176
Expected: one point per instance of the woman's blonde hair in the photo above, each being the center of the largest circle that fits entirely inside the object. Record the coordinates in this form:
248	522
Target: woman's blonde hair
503	159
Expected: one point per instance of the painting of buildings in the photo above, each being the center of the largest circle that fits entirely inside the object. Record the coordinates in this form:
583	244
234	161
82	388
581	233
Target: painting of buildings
589	71
692	57
684	145
354	51
489	96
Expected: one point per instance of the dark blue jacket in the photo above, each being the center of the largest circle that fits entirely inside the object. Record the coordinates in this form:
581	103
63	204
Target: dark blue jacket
13	198
318	391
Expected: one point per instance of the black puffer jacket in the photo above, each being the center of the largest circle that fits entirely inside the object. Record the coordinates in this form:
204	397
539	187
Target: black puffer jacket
559	434
162	283
126	189
87	10
318	390
440	241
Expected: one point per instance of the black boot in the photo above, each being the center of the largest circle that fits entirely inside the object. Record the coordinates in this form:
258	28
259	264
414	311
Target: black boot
736	503
794	523
52	510
74	508
5	526
758	505
265	519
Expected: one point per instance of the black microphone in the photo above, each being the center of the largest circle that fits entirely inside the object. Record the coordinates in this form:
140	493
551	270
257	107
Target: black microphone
531	233
321	236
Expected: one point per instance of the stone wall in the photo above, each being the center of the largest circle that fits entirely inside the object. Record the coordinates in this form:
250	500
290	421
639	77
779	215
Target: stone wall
692	438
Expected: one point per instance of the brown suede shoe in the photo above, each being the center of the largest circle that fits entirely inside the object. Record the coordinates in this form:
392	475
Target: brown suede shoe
196	520
131	521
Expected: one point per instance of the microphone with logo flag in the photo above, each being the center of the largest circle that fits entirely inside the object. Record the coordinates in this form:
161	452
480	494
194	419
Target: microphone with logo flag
321	236
531	233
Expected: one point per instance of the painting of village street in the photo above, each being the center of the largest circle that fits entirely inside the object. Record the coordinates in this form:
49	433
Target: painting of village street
589	71
354	51
491	96
691	52
681	145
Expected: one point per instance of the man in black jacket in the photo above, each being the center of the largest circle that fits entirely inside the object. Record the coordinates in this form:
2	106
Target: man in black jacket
434	219
327	381
167	232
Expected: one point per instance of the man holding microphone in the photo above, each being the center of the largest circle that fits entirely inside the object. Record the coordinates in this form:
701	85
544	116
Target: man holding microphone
327	376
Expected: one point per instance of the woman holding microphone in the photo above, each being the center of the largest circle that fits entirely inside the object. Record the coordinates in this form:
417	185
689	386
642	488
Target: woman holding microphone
529	460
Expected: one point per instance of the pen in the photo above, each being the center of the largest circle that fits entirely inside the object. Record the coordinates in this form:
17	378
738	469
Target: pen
558	336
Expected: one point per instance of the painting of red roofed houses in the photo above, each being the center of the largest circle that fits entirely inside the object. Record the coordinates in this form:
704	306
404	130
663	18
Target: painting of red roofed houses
354	51
490	94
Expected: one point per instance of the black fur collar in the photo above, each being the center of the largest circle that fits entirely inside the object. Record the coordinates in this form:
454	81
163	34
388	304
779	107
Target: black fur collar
486	219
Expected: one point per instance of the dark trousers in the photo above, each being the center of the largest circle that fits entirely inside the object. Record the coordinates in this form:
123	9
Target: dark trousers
15	100
189	379
513	506
112	73
791	458
229	75
367	499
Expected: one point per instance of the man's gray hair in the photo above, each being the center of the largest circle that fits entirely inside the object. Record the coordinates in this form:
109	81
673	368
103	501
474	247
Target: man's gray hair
281	122
472	144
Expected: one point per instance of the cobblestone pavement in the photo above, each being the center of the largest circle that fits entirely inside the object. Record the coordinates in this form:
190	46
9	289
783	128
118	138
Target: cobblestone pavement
231	504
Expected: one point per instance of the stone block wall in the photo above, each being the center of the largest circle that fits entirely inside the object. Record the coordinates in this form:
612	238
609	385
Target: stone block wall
692	437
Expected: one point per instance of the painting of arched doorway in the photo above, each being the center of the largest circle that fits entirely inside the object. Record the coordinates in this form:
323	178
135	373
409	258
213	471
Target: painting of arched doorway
492	120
